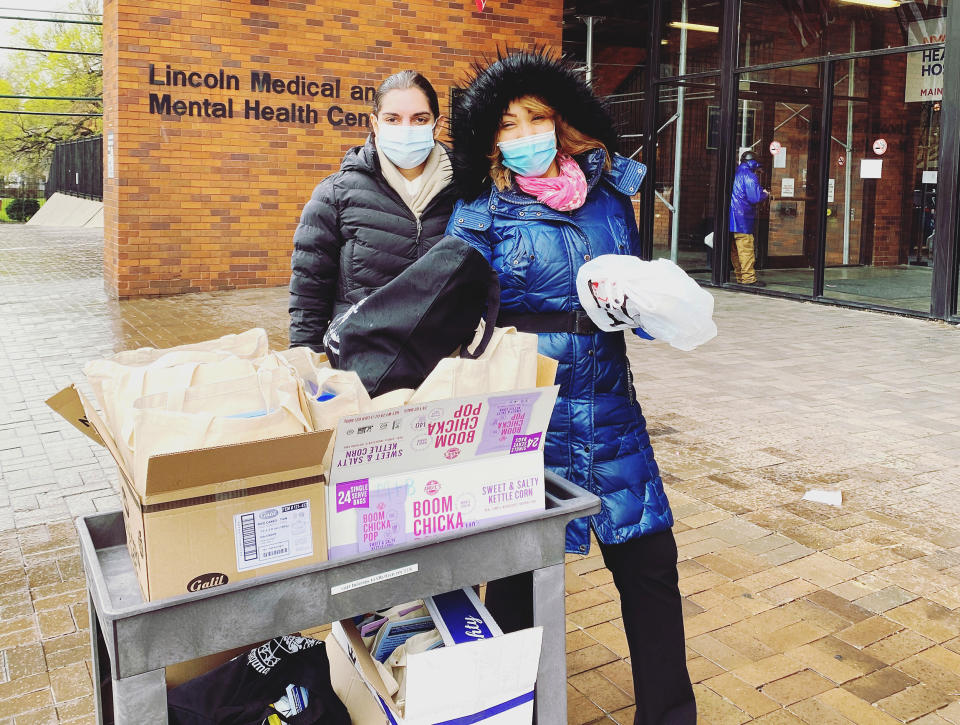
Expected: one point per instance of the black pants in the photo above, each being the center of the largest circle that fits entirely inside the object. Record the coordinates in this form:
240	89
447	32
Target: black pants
645	573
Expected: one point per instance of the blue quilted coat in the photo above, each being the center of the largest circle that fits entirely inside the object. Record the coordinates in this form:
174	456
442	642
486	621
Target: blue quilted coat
598	438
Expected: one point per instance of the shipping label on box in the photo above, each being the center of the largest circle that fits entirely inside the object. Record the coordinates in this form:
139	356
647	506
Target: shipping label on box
273	535
425	469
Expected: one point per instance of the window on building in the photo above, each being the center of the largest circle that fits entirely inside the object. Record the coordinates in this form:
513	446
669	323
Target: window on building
882	182
690	37
688	140
619	31
772	31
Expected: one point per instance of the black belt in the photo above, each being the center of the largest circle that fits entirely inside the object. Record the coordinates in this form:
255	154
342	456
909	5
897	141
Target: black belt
576	322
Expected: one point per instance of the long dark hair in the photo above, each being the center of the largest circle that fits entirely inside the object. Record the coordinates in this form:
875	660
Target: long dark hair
403	80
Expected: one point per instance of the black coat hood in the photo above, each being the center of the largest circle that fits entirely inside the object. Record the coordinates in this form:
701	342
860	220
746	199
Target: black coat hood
493	86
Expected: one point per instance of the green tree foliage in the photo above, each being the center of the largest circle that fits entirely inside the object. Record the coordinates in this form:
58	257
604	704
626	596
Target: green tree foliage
27	142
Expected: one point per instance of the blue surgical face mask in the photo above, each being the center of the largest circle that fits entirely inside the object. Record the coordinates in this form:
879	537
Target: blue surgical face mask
406	146
530	155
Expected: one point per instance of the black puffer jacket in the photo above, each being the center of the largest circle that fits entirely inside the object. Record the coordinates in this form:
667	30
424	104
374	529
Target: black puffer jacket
355	235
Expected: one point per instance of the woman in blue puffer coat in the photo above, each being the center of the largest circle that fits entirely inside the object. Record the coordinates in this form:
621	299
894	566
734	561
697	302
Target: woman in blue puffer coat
533	157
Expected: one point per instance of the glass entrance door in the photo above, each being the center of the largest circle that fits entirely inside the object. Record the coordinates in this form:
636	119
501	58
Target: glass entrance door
785	105
882	185
688	138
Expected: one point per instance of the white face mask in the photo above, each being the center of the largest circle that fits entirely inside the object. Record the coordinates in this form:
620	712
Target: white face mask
405	146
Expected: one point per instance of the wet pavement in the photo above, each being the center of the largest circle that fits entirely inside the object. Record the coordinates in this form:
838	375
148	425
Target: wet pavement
795	611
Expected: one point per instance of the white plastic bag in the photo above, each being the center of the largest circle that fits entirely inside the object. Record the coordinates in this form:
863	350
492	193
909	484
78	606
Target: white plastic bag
621	292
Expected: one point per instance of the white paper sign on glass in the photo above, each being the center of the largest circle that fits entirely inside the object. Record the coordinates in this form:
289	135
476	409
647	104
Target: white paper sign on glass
871	168
787	187
780	158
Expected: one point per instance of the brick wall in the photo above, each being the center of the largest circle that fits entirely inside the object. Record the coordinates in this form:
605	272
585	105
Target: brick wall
200	203
894	120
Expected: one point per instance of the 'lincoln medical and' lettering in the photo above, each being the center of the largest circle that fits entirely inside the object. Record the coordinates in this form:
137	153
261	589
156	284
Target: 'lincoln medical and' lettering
194	79
254	109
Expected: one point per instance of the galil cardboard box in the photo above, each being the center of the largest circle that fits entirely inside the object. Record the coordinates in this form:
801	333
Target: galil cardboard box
426	469
207	517
480	675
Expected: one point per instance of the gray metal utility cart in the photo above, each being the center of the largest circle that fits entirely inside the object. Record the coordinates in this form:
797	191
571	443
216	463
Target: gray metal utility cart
135	640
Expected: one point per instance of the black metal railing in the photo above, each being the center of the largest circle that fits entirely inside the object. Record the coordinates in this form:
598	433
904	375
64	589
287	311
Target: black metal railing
77	168
21	189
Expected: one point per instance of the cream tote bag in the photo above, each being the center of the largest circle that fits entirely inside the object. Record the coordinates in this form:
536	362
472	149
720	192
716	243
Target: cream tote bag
508	363
257	407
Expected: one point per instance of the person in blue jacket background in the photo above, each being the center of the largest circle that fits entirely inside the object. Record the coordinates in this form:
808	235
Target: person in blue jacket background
747	193
544	192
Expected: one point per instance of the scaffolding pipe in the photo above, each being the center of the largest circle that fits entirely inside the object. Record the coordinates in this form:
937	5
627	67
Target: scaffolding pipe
678	140
848	172
743	129
589	21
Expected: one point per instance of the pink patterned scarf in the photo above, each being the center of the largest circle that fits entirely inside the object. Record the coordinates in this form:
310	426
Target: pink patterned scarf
565	192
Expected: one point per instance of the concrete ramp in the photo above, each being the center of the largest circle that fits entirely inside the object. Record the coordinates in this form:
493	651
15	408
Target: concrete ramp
62	210
97	219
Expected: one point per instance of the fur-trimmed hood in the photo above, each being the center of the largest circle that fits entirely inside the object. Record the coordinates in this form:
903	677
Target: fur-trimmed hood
493	86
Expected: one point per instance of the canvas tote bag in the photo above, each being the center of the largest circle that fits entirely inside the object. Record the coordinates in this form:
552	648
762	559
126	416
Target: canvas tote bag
257	407
508	362
131	384
103	373
249	345
321	380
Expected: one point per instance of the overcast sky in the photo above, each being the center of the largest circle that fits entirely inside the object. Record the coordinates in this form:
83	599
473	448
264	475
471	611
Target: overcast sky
31	9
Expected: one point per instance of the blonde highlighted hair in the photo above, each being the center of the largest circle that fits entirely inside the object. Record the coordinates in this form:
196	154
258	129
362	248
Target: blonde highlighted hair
569	141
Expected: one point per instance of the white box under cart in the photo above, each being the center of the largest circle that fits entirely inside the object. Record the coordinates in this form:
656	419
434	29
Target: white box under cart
480	675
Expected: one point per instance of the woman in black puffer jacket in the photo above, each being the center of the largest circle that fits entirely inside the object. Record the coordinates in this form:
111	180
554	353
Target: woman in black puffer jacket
386	206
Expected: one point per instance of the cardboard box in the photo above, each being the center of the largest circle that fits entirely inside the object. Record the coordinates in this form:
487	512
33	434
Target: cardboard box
478	676
207	517
351	689
425	469
183	672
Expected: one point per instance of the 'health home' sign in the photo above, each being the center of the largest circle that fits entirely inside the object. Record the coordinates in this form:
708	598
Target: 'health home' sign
924	80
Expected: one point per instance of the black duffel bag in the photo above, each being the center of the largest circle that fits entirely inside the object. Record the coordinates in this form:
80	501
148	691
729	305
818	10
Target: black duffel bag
395	337
241	691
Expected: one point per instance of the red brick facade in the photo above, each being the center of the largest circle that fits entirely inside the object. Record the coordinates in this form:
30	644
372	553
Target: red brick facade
207	184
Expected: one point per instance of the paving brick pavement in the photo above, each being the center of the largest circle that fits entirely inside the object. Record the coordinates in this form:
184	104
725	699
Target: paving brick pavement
796	612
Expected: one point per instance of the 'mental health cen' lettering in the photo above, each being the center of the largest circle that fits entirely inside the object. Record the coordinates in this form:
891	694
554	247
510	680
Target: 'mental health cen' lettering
262	82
